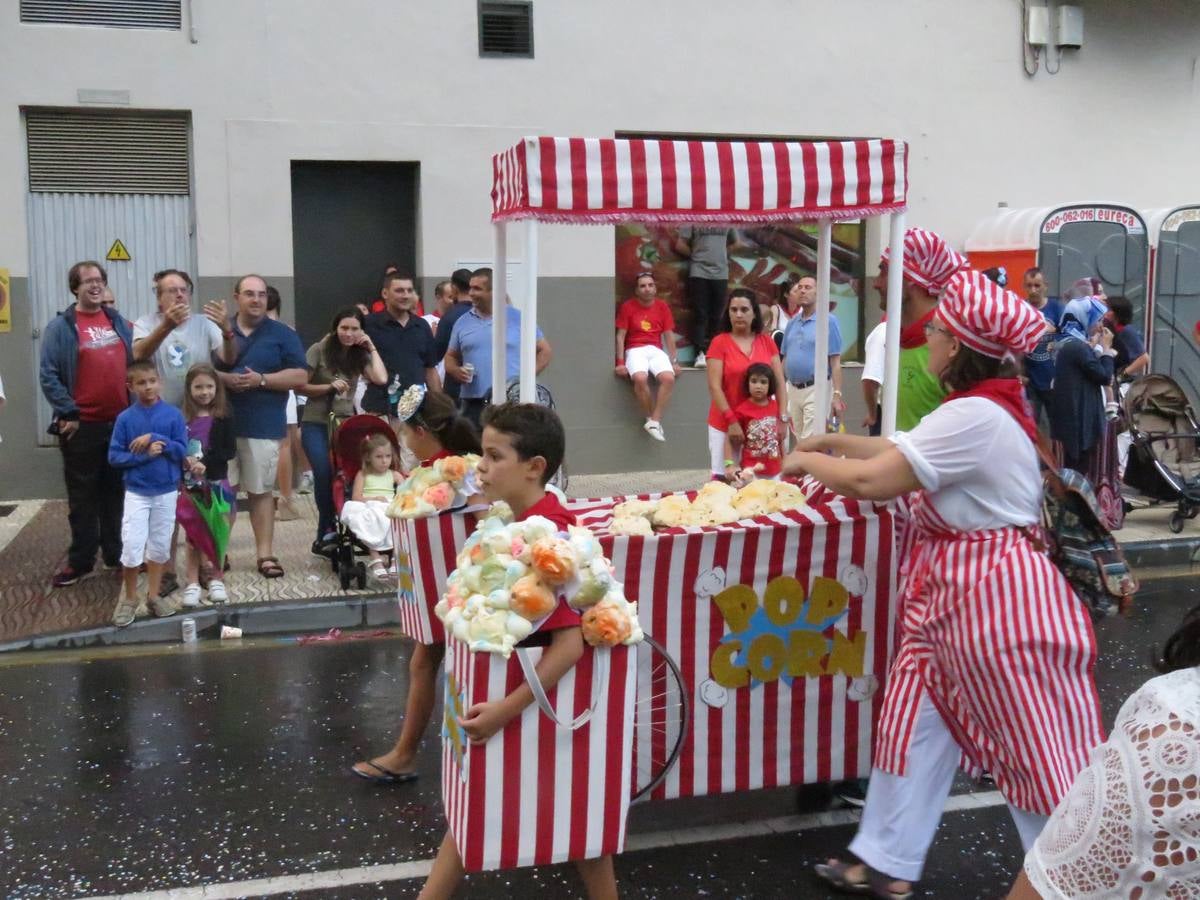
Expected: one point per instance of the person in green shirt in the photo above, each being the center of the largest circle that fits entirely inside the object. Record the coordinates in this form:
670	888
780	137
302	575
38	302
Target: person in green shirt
929	262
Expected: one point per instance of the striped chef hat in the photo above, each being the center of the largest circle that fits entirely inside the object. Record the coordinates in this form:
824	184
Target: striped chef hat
987	318
928	260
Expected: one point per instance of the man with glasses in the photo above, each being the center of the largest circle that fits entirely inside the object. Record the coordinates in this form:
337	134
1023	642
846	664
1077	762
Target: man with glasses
85	352
268	363
175	338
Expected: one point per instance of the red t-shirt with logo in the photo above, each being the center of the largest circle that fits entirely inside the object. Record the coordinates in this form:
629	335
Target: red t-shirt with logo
760	424
644	325
563	616
100	391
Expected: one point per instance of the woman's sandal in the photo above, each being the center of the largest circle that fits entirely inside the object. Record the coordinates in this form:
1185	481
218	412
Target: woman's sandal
269	567
876	884
378	570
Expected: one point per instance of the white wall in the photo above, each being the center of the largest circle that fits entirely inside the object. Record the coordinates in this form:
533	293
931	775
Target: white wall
269	81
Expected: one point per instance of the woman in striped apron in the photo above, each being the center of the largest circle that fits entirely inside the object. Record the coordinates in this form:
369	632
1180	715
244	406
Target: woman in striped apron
994	665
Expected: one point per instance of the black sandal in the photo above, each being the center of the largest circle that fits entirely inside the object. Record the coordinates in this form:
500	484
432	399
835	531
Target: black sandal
385	776
877	884
269	567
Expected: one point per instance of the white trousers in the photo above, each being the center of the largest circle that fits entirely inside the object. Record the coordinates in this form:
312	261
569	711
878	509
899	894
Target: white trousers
902	811
802	410
716	450
146	528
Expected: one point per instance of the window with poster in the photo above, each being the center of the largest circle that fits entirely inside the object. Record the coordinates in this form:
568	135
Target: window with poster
764	258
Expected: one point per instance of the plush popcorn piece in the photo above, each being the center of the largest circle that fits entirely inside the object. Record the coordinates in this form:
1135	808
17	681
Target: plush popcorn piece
631	525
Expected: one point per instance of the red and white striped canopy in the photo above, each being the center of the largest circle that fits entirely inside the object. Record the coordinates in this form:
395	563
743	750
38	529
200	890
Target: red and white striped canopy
606	180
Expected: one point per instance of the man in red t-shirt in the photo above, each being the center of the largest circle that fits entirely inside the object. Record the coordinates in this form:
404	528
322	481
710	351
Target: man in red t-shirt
643	322
85	352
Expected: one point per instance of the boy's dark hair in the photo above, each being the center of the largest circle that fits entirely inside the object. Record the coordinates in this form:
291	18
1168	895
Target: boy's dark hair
1122	309
274	301
461	279
75	278
763	371
534	430
139	366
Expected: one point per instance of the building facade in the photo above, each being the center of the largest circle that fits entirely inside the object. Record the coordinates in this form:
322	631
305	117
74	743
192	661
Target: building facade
314	142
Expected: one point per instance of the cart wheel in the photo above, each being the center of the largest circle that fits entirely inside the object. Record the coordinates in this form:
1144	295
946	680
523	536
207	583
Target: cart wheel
1176	523
661	717
1192	511
344	577
360	575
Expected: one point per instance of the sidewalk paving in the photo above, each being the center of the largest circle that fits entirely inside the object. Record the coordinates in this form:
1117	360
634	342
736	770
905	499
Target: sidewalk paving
34	537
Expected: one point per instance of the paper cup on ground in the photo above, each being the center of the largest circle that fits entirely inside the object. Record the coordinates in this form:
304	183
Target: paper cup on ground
228	632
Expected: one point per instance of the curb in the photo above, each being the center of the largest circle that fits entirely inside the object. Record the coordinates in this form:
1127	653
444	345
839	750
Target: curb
1164	554
317	615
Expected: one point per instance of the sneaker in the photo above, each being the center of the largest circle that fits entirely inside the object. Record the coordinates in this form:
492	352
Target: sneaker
700	362
67	576
217	595
161	608
125	612
191	595
851	793
306	483
655	430
286	511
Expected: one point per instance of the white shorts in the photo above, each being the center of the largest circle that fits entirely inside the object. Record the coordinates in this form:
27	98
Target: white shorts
369	522
648	358
253	470
146	528
292	406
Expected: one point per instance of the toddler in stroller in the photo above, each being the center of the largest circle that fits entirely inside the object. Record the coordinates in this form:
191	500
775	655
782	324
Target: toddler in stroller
365	453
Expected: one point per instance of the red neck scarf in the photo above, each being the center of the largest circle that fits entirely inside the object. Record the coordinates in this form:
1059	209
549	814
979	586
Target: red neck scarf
1010	395
914	335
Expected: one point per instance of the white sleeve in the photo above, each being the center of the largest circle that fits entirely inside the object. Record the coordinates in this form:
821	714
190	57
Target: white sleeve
874	355
1128	822
143	326
215	340
951	442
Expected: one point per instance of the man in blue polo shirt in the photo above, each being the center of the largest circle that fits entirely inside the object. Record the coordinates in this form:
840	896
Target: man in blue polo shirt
405	343
799	350
270	363
469	357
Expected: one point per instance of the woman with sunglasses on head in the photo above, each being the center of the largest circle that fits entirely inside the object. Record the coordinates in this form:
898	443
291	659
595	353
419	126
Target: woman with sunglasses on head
995	661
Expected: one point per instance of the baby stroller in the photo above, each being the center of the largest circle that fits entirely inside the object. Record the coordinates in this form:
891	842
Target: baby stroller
346	453
542	397
1164	464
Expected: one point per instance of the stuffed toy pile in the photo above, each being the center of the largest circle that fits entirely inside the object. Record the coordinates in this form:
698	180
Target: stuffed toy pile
509	576
433	489
716	504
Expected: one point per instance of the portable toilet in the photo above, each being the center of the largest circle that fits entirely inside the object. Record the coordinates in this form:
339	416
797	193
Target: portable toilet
1175	296
1078	240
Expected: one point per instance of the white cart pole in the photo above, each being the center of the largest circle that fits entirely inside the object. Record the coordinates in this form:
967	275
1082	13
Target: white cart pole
529	315
821	351
891	367
499	311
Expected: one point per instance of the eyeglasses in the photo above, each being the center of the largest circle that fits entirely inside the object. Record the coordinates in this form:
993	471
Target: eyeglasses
930	328
88	282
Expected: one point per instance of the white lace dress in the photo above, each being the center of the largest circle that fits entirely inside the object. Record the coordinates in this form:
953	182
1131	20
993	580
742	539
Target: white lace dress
1130	825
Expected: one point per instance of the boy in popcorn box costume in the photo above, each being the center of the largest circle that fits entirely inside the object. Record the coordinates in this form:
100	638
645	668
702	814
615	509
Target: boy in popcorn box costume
520	785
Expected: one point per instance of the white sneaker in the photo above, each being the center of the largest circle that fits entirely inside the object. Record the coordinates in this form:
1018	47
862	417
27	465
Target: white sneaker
306	483
191	595
701	362
655	430
216	593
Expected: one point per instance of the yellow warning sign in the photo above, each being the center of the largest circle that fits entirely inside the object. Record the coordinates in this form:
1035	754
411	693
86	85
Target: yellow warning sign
117	252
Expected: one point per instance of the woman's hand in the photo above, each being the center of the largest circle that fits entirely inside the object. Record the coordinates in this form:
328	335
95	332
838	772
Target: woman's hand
1105	339
735	434
793	463
812	444
339	386
364	340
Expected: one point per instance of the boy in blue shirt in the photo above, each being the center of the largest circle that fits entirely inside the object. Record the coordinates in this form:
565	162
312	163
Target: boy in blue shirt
149	443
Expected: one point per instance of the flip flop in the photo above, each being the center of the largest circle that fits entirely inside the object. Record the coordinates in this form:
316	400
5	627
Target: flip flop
385	776
877	884
269	567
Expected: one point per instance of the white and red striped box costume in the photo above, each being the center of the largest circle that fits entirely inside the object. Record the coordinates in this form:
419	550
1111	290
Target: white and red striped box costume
772	733
537	793
426	550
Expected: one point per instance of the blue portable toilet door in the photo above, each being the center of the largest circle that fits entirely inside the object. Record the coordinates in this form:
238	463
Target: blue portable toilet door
1177	302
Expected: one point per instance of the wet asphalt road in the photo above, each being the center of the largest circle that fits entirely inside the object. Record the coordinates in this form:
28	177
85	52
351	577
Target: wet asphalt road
147	769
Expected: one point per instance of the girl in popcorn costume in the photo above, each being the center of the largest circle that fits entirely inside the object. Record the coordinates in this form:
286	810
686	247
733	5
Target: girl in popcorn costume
522	579
434	432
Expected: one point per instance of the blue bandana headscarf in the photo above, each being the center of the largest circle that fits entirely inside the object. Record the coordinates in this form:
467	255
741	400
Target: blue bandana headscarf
1080	317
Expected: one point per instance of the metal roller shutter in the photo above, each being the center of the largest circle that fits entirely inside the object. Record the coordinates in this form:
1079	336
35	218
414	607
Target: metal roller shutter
93	152
110	13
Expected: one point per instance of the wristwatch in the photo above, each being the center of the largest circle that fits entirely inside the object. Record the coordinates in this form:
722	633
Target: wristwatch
262	381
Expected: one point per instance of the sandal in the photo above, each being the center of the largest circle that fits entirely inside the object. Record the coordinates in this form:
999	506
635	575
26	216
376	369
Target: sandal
385	776
877	884
269	567
378	570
